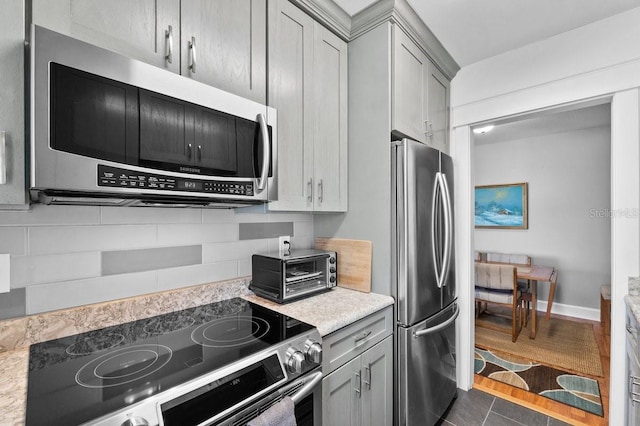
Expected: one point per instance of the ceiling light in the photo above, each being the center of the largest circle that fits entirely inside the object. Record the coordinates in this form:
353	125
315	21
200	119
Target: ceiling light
483	130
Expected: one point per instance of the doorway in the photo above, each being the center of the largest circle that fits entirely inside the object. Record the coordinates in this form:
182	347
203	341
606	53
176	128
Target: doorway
564	157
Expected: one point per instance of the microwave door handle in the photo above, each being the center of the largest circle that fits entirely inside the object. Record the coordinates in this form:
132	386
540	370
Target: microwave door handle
266	152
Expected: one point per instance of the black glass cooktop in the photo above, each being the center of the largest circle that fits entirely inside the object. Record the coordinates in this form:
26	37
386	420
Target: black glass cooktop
79	378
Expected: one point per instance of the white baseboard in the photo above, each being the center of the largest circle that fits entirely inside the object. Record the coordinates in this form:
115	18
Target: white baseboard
570	310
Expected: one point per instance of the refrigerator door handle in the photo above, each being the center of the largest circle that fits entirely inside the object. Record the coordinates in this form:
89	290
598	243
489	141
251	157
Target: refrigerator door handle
434	207
448	228
441	192
438	327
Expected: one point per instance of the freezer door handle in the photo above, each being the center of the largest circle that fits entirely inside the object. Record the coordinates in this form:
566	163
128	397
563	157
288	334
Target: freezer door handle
438	327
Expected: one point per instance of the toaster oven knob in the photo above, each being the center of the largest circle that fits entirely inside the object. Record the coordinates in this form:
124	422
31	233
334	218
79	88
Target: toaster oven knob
332	260
295	358
313	351
332	270
332	279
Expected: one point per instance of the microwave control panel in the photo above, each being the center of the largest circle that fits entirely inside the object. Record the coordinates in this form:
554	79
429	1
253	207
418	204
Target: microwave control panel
115	177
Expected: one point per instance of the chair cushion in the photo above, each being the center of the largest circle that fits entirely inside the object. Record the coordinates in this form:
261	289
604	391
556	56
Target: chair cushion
495	276
495	296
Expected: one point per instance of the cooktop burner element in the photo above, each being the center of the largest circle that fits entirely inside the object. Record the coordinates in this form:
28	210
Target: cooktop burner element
228	332
95	375
123	366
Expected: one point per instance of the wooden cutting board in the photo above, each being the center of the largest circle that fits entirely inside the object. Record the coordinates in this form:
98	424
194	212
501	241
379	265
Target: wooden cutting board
354	261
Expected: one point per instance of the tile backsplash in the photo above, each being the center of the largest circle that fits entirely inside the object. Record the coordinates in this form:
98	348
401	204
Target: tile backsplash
64	256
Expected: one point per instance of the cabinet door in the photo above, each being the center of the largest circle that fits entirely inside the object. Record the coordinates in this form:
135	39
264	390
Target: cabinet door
438	112
342	396
230	45
377	384
330	103
135	28
12	100
409	88
290	71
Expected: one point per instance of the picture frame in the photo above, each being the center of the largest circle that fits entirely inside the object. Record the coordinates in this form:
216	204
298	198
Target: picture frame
503	206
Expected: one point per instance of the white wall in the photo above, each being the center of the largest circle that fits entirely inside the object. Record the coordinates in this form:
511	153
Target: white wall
568	176
601	60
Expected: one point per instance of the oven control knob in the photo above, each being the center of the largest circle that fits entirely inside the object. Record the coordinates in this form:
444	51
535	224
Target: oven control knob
332	270
295	358
313	351
136	421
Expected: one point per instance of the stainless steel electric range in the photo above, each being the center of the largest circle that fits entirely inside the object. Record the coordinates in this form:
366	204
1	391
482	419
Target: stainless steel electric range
222	363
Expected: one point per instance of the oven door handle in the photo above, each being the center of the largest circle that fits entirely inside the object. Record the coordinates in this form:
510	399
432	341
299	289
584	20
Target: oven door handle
310	382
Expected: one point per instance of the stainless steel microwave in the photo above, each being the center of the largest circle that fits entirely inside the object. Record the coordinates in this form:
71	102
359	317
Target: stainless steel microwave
106	129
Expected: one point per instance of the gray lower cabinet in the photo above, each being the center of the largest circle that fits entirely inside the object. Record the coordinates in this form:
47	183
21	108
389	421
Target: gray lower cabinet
12	118
308	87
358	365
361	391
420	95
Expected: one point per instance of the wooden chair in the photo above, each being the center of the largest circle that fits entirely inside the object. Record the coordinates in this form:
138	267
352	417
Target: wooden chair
497	284
512	259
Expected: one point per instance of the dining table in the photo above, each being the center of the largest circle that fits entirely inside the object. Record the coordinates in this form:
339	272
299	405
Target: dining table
533	274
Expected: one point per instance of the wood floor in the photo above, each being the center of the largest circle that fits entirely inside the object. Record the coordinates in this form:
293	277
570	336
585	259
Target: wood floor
547	406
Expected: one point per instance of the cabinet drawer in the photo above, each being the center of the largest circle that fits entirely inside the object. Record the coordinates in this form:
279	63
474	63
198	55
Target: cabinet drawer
343	345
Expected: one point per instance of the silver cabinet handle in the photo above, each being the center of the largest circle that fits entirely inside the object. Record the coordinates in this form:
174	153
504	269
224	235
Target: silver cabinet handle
367	375
266	152
168	35
320	191
199	153
358	387
192	55
360	337
633	382
430	131
189	149
310	186
309	383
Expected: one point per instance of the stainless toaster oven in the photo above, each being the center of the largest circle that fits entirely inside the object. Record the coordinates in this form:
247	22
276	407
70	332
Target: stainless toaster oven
286	277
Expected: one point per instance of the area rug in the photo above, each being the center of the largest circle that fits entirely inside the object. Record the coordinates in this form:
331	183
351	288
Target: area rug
564	344
570	389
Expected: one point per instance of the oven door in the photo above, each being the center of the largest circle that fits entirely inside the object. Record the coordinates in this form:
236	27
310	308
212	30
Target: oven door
306	393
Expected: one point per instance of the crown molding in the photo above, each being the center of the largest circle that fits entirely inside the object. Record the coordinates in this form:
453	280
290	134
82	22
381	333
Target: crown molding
328	13
398	12
401	13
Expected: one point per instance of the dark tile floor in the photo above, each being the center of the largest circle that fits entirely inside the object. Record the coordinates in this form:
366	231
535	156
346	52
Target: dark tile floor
477	408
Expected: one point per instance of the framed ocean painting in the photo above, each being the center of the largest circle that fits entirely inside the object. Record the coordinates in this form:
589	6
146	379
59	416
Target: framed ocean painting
501	206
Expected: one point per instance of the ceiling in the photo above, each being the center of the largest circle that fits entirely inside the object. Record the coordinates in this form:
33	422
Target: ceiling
548	123
472	30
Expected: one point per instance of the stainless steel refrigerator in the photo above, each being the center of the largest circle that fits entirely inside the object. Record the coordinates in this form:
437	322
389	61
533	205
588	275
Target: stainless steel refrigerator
425	282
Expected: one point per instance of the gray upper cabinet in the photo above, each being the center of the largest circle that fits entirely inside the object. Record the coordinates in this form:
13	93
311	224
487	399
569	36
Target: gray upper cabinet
12	120
224	45
221	43
148	30
308	87
420	95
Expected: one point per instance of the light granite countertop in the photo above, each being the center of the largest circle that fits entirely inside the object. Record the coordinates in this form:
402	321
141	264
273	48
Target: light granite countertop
329	311
632	299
